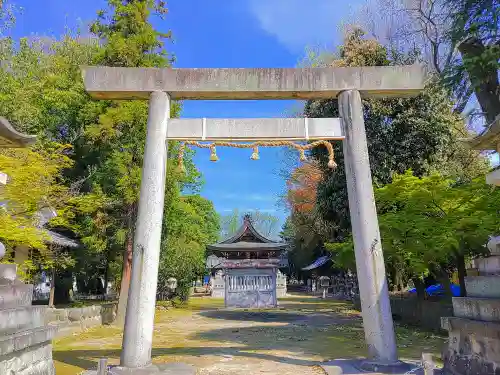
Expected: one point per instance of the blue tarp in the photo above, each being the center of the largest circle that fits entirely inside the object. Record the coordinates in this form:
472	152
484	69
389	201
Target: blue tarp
317	263
436	290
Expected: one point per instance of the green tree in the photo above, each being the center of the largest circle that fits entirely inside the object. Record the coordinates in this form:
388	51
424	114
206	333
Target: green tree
429	224
190	224
33	183
474	30
418	133
117	136
42	93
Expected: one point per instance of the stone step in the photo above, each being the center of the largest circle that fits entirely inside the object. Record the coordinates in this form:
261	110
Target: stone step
24	339
485	309
487	266
21	318
483	286
8	273
34	360
15	295
472	327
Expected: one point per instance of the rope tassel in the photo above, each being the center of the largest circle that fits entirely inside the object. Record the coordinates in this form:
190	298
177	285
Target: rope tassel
255	153
213	153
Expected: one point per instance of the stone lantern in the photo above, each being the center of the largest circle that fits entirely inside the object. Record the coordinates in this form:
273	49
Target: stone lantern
324	283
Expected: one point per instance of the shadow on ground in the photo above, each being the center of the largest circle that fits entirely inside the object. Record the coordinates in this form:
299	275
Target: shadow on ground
300	333
254	316
87	359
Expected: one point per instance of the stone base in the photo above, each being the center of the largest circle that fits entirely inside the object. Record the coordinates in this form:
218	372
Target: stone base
157	369
363	366
473	347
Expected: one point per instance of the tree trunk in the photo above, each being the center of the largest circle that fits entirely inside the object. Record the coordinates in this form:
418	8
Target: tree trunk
52	287
126	269
484	79
106	272
444	279
420	287
461	274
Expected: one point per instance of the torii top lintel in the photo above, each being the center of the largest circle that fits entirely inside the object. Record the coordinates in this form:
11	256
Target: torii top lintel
253	83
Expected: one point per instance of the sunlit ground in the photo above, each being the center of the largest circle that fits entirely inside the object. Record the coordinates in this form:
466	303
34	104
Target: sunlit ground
296	337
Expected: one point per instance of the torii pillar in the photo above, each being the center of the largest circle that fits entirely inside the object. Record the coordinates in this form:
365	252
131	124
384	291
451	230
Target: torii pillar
347	84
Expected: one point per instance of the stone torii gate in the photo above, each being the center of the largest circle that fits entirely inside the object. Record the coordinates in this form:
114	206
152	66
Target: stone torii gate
159	86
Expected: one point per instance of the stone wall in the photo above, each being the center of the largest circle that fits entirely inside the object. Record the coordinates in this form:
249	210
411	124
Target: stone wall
76	319
25	339
426	315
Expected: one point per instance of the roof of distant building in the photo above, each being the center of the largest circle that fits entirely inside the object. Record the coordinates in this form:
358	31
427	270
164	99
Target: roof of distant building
247	238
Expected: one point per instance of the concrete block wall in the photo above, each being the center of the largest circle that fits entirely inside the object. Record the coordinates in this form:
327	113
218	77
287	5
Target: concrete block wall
426	315
77	319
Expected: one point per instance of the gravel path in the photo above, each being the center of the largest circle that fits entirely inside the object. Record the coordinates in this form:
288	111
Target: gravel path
292	339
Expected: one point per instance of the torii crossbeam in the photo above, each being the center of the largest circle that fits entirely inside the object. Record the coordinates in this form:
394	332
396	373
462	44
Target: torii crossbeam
348	85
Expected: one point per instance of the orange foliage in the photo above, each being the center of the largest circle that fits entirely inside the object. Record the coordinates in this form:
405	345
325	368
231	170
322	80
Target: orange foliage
302	187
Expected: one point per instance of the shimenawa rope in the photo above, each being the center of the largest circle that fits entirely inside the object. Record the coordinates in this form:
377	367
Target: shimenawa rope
255	146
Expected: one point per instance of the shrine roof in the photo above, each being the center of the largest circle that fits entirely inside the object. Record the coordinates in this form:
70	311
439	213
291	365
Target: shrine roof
247	238
11	138
247	246
489	139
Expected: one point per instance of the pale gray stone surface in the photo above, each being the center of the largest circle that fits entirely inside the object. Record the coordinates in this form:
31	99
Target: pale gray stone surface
8	273
21	340
255	128
218	288
139	320
15	295
280	284
487	266
156	369
72	320
251	288
374	293
33	360
360	366
253	83
493	178
473	347
483	286
21	318
25	341
485	309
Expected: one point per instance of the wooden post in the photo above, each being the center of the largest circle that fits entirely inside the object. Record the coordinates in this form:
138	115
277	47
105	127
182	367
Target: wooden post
52	287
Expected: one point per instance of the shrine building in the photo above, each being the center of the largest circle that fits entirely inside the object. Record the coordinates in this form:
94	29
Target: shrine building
246	267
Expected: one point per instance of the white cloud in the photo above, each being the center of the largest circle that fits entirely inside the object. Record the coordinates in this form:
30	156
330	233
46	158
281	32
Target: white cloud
246	197
300	23
262	210
259	197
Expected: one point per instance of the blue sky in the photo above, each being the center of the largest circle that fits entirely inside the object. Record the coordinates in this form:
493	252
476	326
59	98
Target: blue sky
223	33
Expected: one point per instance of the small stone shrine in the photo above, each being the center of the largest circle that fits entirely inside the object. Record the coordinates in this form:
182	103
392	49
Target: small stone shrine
247	274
